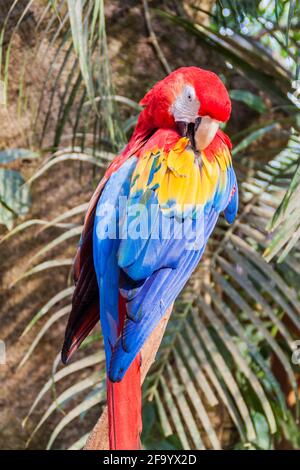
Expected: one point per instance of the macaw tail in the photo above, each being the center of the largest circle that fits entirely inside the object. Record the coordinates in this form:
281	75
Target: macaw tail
124	400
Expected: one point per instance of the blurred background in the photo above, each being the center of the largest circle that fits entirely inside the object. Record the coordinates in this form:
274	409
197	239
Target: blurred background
72	74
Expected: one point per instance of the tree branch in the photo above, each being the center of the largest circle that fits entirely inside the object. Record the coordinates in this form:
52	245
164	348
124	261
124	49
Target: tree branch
98	438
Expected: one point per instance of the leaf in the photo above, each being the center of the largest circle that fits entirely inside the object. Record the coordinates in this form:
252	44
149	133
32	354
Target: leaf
284	205
119	99
54	318
251	100
285	223
57	263
292	6
86	404
69	393
10	155
252	137
30	223
263	440
63	158
197	403
80	36
14	197
76	366
82	208
45	309
80	443
73	232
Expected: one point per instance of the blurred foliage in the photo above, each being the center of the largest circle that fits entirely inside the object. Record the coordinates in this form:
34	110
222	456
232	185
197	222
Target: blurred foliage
238	311
14	196
274	23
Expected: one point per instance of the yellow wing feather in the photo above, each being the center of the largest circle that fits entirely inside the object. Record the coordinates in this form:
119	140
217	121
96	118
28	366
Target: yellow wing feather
180	177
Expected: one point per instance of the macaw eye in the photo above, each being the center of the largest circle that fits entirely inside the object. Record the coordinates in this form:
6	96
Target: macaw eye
186	105
189	93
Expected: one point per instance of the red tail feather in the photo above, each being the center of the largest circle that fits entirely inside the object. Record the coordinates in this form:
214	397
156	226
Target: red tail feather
124	400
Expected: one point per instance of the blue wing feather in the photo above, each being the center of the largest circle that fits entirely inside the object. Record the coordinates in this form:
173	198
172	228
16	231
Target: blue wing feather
232	207
105	248
149	272
151	301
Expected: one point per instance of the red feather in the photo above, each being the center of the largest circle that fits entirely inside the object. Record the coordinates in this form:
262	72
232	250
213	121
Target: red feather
124	400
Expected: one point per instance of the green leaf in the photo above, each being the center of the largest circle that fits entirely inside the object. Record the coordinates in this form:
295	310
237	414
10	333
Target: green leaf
253	101
80	36
285	224
263	440
252	137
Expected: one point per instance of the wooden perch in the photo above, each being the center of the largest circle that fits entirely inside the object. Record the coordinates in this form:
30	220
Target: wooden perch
98	438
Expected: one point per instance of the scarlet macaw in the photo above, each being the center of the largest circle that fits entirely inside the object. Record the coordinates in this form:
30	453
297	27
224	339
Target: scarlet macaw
177	163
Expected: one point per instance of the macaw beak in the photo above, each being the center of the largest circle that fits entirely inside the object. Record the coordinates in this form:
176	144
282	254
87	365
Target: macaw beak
186	129
205	131
182	128
201	132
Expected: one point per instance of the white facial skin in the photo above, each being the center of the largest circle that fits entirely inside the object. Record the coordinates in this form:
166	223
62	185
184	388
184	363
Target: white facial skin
185	108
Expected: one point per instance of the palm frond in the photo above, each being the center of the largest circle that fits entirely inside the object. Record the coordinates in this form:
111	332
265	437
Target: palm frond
285	223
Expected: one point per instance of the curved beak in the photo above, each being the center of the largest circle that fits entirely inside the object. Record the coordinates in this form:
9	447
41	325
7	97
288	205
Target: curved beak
186	129
182	128
205	131
201	133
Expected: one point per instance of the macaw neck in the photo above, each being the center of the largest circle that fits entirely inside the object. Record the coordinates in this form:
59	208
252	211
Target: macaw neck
148	123
164	139
142	131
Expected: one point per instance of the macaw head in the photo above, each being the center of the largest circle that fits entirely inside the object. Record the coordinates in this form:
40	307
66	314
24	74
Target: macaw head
192	100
